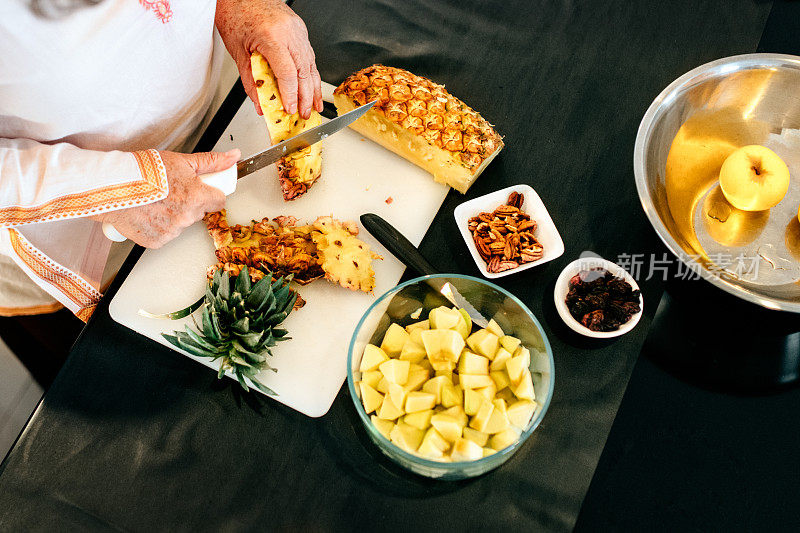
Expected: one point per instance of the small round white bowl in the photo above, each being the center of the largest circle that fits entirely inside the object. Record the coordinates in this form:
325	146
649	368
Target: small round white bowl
562	287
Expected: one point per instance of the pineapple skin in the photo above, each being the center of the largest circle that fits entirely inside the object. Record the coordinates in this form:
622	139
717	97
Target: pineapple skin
420	121
298	171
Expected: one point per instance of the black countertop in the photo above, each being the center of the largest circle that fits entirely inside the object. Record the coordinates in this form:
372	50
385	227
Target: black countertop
134	436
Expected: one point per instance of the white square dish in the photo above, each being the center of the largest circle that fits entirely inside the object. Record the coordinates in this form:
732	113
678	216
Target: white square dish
546	231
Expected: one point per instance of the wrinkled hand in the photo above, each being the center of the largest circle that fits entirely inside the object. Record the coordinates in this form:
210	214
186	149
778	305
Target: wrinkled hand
154	225
273	29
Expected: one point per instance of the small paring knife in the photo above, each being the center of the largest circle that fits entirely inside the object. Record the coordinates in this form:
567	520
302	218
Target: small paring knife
407	253
225	180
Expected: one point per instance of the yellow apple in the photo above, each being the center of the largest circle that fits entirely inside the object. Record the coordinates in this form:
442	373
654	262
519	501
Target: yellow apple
754	178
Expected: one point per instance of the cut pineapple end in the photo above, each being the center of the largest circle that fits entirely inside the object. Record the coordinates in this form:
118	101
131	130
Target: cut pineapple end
442	164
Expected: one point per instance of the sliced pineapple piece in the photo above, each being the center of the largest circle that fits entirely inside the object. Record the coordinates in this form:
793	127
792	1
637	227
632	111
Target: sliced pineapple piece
458	413
393	340
484	342
500	378
371	378
419	401
504	439
472	381
524	391
384	426
472	401
481	419
424	324
478	437
466	450
373	356
447	426
388	410
520	413
472	363
407	437
419	419
395	371
398	395
509	343
413	352
417	376
299	170
452	395
443	318
516	368
371	398
443	347
435	386
494	327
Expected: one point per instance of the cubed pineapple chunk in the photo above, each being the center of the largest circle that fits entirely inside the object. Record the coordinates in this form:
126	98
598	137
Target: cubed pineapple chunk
373	357
444	318
504	439
481	419
472	401
443	347
383	385
415	335
488	451
478	437
452	395
417	376
395	371
501	357
472	363
494	327
419	419
525	354
436	439
424	324
509	343
384	426
407	437
419	401
471	381
446	373
520	413
428	450
371	378
484	342
458	413
371	398
524	390
398	394
393	340
435	385
412	352
501	379
498	421
447	426
487	392
388	410
466	450
516	368
506	395
426	365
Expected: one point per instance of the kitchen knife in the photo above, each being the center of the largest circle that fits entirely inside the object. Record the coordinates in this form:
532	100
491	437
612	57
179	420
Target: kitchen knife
407	253
225	180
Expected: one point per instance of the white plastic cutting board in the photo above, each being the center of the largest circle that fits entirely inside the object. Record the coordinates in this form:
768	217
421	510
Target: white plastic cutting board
358	176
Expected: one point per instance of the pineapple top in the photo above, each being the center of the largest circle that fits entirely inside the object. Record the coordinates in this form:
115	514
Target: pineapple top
424	108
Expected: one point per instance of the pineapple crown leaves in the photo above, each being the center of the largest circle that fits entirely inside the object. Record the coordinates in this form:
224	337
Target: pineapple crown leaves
239	324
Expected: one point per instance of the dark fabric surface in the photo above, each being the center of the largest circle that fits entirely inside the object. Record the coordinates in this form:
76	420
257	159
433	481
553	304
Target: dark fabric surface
133	436
703	442
41	342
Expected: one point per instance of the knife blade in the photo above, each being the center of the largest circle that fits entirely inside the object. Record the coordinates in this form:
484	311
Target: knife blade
400	247
225	180
299	141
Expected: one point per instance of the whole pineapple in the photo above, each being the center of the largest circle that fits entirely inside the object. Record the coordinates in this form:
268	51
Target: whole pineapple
240	325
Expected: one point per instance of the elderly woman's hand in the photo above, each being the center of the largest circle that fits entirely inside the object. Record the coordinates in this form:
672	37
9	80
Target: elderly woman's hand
189	199
274	30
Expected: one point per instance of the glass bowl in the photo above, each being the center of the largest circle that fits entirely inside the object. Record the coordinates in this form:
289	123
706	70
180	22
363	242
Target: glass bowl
398	304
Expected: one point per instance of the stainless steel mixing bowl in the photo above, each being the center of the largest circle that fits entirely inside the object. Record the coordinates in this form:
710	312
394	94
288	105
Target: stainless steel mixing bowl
684	137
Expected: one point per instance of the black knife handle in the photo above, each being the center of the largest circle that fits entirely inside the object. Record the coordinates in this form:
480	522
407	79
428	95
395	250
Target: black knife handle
397	244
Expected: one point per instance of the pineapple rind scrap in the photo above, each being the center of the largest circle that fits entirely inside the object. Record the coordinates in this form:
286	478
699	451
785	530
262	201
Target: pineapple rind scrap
345	259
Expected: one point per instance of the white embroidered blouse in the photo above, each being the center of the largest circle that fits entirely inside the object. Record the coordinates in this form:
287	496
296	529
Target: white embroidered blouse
86	98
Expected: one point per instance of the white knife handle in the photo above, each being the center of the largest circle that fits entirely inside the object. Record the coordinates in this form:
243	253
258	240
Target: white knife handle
224	180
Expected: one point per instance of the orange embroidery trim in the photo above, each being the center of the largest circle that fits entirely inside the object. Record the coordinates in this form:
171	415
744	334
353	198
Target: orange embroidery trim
70	284
99	200
160	8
